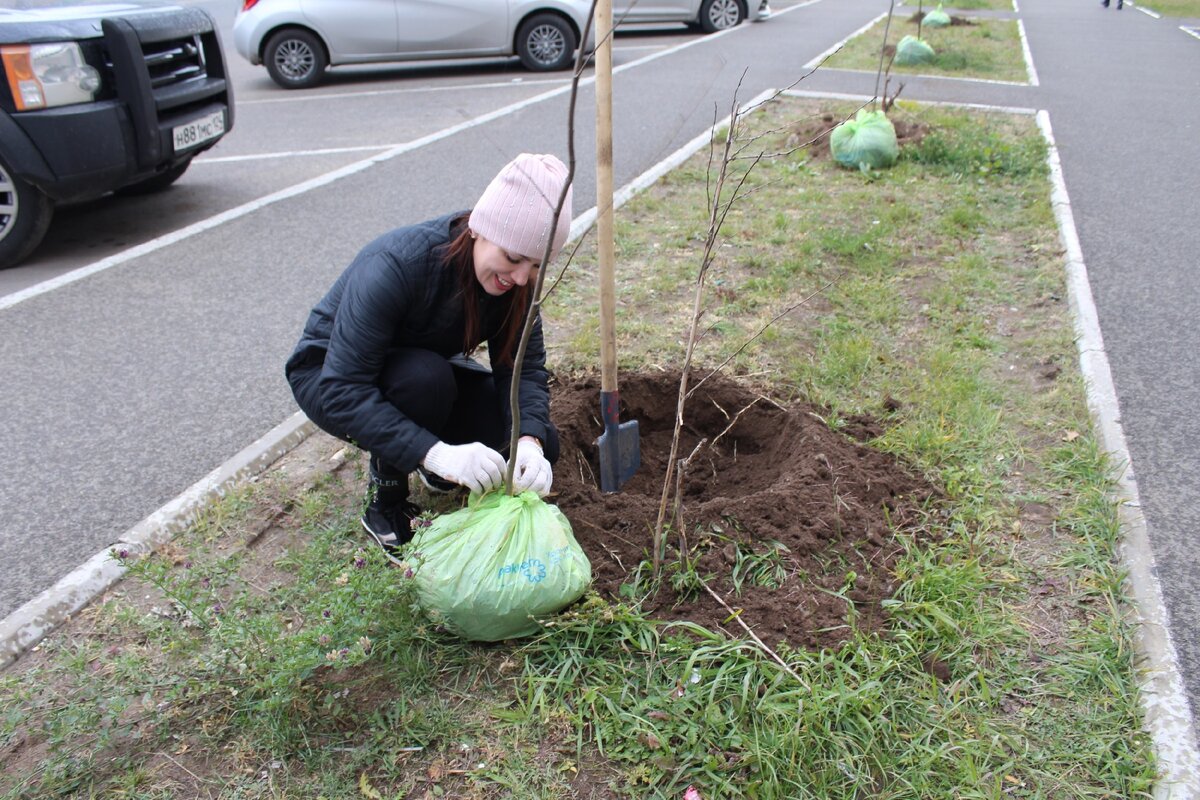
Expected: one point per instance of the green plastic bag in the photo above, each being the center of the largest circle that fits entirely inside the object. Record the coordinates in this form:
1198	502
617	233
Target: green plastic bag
867	140
912	50
936	18
487	571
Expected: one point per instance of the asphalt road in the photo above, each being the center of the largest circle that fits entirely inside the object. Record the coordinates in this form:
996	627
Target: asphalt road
122	389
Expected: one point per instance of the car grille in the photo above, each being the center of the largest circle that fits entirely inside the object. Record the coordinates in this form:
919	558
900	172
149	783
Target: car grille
174	61
167	68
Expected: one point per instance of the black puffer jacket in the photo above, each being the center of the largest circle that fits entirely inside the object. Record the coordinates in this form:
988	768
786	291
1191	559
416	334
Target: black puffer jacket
398	293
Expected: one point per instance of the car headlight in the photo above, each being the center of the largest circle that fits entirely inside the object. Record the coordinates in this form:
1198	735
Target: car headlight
48	75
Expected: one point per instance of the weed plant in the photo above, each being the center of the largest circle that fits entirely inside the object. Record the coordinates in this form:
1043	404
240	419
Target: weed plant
1006	667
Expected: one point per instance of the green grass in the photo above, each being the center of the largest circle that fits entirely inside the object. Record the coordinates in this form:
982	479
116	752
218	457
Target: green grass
300	667
968	5
1174	8
989	49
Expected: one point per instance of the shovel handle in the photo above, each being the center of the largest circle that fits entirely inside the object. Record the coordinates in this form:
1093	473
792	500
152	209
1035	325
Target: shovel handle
604	197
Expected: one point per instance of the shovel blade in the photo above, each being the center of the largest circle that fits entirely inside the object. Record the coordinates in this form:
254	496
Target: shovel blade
620	447
620	455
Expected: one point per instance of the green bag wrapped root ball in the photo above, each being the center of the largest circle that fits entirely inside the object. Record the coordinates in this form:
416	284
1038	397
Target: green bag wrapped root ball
487	571
869	139
912	50
936	18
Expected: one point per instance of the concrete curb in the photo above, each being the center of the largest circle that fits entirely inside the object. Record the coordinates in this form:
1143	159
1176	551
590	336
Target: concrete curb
29	624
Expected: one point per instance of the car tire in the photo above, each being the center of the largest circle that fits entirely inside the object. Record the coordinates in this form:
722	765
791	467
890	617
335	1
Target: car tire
157	182
546	42
295	58
25	215
721	15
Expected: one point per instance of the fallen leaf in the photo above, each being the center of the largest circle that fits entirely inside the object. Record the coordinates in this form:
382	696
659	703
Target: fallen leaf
1070	436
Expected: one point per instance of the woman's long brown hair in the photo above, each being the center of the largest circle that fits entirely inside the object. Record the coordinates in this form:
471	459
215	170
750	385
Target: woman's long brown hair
459	258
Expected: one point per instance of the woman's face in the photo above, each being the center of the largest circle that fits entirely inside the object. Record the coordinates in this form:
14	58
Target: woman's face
499	270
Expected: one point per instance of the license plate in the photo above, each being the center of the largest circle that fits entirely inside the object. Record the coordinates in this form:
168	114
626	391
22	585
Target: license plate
199	131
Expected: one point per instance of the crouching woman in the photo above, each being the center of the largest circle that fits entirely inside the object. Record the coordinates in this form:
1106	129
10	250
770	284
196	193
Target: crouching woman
384	361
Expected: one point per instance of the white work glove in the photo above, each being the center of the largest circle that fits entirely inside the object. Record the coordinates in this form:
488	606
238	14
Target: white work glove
475	465
533	470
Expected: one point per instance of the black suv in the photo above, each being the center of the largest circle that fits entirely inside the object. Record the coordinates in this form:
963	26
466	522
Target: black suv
100	98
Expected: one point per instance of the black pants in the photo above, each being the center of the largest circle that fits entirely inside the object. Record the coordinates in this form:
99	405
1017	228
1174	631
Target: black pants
454	399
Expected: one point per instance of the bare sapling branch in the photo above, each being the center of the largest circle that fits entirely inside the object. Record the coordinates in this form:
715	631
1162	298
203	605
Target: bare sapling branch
717	213
535	303
723	192
677	512
883	48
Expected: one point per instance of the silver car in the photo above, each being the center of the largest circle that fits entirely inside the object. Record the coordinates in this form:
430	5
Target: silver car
709	16
298	39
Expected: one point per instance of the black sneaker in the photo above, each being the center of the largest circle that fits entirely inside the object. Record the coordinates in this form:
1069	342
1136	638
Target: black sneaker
390	525
435	483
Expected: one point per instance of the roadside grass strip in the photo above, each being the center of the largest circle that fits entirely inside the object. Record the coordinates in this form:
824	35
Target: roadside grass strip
267	653
961	5
987	49
1172	8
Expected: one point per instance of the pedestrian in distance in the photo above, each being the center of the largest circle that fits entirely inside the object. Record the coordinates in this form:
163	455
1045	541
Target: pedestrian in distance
1120	4
385	359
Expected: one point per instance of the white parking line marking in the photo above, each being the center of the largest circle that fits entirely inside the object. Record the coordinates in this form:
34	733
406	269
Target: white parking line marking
507	84
1190	31
327	151
302	97
1147	11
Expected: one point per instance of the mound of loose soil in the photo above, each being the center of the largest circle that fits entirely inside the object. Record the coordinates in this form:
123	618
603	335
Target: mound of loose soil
815	134
768	479
920	15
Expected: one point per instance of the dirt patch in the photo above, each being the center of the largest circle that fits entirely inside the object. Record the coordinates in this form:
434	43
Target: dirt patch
791	522
815	132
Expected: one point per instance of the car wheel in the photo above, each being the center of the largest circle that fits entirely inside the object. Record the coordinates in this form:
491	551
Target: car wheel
25	214
157	182
720	15
546	42
295	58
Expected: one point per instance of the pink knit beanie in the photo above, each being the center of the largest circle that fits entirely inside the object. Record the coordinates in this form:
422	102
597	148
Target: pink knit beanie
517	207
